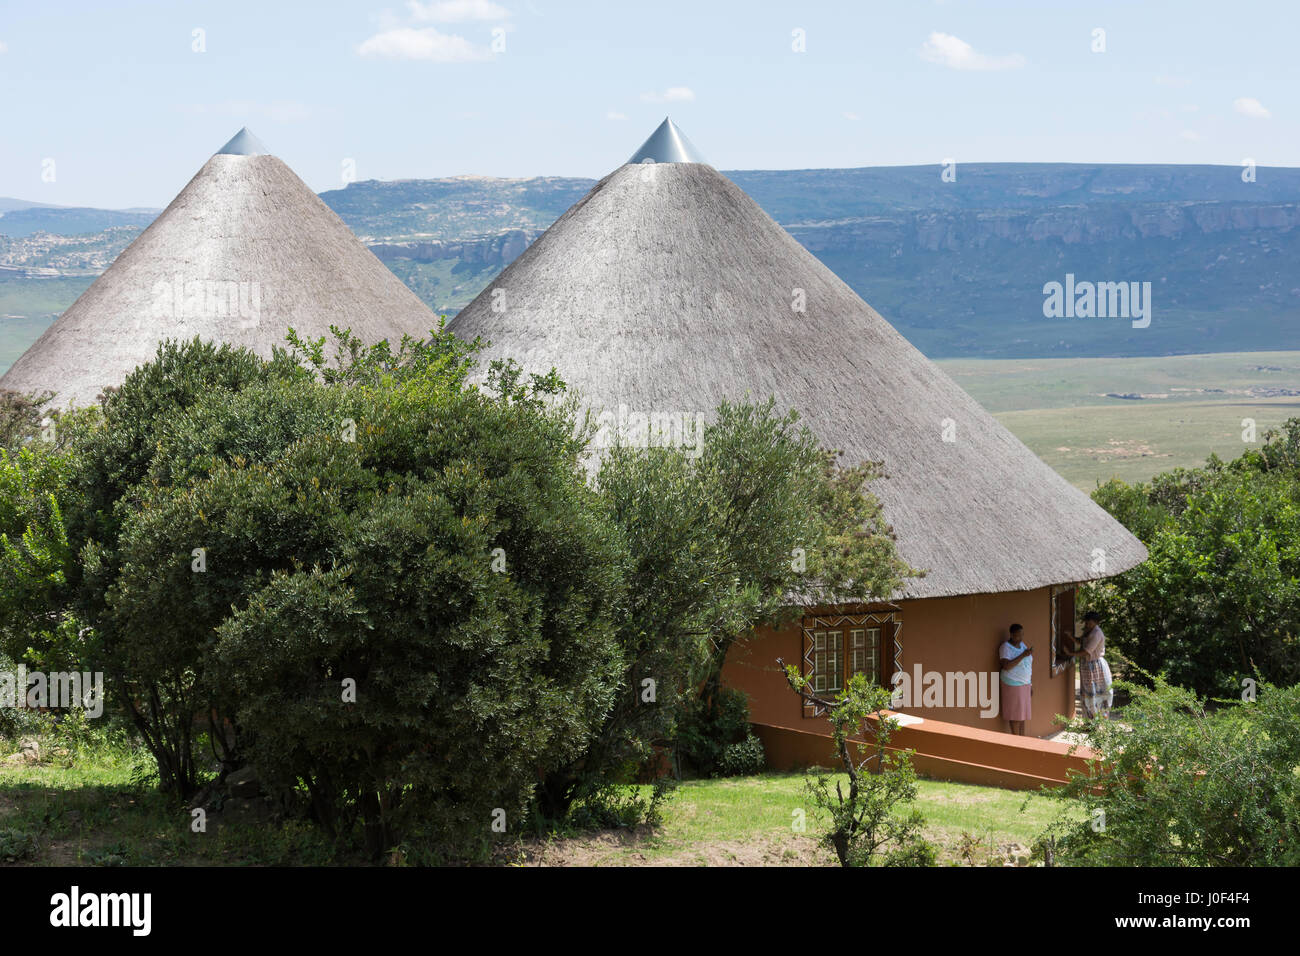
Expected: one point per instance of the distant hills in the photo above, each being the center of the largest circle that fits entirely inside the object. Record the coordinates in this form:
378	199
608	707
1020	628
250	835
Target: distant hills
958	267
19	218
8	204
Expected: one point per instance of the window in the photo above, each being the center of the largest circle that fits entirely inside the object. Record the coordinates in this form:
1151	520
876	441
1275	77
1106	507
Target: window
832	662
838	646
864	653
828	649
1063	625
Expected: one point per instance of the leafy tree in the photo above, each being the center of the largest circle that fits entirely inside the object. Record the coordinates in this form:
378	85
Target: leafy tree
787	519
719	542
410	592
239	536
1219	597
868	824
22	417
113	453
37	624
1179	784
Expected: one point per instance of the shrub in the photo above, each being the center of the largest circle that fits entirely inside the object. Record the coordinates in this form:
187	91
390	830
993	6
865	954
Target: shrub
719	536
1179	784
408	606
1218	600
22	417
714	738
743	759
36	558
16	722
113	454
17	845
619	806
870	824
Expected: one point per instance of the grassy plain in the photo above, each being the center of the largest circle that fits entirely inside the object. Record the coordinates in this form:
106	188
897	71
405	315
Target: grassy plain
1191	406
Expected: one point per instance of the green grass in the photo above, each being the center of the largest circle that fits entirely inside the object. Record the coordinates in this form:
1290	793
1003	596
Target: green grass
728	810
1195	405
752	820
89	808
28	306
40	299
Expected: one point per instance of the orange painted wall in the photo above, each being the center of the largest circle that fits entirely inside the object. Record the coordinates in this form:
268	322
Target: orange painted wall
940	634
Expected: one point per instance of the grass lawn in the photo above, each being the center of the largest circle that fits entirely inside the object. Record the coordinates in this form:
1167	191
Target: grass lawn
750	820
85	809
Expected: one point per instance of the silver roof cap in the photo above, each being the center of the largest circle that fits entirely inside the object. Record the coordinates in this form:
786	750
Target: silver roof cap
667	144
244	143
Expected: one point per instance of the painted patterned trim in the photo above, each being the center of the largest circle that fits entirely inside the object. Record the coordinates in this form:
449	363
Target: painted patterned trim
898	643
1055	590
819	622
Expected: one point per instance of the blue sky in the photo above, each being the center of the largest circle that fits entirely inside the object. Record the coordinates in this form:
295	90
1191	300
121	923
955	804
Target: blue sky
117	96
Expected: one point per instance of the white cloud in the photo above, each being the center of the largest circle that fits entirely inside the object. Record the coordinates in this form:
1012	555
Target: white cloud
456	11
1190	135
957	54
1173	82
674	94
853	116
408	43
4	47
615	115
1249	106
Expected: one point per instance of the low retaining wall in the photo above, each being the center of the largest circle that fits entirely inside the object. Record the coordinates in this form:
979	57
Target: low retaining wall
943	751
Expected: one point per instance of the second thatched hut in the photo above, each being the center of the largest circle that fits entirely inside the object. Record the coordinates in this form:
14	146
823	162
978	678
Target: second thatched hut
666	289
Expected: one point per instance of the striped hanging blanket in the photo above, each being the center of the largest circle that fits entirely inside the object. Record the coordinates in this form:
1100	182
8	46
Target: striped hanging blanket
1094	687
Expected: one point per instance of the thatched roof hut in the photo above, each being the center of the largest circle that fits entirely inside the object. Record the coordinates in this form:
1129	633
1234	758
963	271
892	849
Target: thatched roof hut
666	289
245	252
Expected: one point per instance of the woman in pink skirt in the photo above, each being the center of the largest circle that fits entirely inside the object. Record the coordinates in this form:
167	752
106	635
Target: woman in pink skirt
1017	662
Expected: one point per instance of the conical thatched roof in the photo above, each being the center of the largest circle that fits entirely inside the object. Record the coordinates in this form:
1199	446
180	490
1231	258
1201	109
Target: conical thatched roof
666	289
245	251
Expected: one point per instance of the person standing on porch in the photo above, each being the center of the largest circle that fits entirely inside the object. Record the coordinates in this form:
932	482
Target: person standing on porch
1017	661
1094	673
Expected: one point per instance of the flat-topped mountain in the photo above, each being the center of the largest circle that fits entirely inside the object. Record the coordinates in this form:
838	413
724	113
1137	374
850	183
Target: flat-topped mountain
957	266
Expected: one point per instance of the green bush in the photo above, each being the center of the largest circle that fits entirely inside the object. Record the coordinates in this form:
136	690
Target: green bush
37	625
719	535
16	845
396	594
16	722
715	739
410	591
1218	600
614	806
22	417
1180	784
743	759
